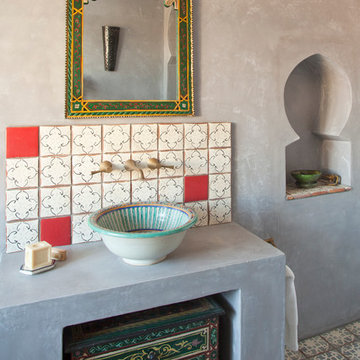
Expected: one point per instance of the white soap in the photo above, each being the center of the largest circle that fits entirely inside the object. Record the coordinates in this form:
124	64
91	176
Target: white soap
37	255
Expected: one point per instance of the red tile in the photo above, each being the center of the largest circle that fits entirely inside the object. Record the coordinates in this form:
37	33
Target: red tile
56	231
196	188
22	142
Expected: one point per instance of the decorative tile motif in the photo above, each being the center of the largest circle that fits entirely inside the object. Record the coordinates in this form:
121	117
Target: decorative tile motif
354	327
171	137
173	158
196	136
144	190
219	160
119	172
19	234
86	139
196	162
86	198
22	173
144	137
171	190
21	204
338	337
22	142
219	186
116	138
56	231
351	351
313	346
55	201
141	159
219	135
116	193
54	140
55	171
331	355
196	188
81	231
220	211
201	210
293	355
82	167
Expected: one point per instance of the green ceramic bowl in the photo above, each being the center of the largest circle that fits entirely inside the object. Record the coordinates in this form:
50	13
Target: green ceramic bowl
306	178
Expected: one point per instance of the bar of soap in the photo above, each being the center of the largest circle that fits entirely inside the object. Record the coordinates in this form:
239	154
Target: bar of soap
58	254
37	255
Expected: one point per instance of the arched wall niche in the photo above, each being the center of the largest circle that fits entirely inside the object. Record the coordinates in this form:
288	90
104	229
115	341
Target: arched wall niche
318	101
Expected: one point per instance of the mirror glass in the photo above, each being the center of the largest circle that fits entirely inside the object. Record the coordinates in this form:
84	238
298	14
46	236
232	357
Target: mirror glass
129	58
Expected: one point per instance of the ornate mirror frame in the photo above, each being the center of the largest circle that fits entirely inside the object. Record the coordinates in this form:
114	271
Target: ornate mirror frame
77	107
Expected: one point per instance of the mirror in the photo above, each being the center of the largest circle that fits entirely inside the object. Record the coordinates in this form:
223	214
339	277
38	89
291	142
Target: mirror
129	58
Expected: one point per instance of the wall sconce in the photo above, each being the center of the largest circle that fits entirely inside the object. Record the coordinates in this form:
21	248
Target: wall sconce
110	44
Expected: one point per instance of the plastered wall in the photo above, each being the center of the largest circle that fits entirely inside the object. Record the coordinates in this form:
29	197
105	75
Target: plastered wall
244	53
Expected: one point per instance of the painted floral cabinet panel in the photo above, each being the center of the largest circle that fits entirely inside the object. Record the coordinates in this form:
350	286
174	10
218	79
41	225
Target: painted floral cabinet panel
186	330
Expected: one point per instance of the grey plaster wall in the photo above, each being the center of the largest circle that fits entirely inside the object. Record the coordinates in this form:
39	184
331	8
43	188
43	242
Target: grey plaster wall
244	51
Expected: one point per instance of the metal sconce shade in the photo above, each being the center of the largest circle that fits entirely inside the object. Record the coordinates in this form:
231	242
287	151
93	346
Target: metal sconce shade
110	42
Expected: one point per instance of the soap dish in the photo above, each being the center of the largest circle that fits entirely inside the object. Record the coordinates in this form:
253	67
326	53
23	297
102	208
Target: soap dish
37	271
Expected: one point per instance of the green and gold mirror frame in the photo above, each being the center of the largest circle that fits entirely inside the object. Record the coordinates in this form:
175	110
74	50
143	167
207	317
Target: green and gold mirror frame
77	107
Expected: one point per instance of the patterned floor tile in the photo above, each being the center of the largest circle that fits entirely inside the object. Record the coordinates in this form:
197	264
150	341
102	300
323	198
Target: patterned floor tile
331	355
354	327
293	355
351	351
313	346
338	337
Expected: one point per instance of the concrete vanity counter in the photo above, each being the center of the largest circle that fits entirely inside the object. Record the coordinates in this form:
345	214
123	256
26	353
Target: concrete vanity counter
94	284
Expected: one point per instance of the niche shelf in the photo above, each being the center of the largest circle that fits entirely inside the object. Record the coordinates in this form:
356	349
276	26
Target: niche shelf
318	100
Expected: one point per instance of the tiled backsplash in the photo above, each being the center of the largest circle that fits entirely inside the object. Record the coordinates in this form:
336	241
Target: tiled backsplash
51	192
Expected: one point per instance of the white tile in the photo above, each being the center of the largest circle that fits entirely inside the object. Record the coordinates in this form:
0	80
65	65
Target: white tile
196	162
171	190
86	198
172	158
54	140
22	173
219	135
219	160
116	193
144	190
219	186
171	137
81	230
86	139
141	160
201	210
55	201
18	234
144	137
21	204
116	138
82	167
196	136
220	211
55	171
119	173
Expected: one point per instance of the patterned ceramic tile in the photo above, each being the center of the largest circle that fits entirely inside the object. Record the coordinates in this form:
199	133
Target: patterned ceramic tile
55	171
22	142
171	190
56	231
86	198
21	233
293	355
116	138
171	137
144	137
219	160
144	190
351	351
141	159
219	135
219	186
116	193
119	173
354	327
81	230
220	211
86	139
313	346
22	173
55	201
174	158
331	355
196	136
21	204
196	162
201	210
54	140
338	337
82	167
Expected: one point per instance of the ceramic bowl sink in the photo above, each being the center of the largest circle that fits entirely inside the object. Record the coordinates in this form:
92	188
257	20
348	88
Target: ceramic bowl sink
142	234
